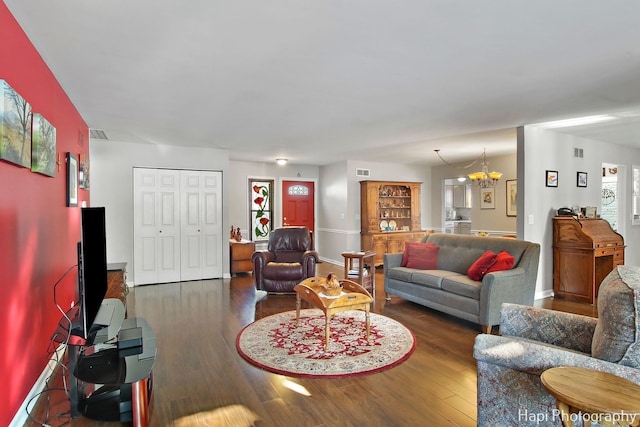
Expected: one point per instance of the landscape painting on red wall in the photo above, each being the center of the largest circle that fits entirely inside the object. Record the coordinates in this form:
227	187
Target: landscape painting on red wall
15	127
44	146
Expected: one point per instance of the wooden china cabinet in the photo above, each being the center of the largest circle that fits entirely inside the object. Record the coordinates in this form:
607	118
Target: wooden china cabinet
389	216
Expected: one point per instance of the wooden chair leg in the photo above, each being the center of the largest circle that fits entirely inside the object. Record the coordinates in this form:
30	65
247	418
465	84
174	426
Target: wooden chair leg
487	329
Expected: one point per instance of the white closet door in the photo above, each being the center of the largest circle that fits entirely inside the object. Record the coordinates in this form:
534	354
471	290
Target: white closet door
212	230
156	226
201	218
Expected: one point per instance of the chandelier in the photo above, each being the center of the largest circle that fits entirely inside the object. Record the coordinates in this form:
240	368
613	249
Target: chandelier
484	178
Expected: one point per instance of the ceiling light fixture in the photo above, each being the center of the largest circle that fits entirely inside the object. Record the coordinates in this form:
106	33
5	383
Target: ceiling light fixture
281	161
484	178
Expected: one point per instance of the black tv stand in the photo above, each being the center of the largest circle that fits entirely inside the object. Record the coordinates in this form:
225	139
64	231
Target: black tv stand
108	383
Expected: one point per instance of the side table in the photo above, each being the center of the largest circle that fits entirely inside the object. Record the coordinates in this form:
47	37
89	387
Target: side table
593	395
352	297
240	256
357	272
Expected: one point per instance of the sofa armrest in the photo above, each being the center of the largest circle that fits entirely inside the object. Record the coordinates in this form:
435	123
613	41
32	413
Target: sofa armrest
572	331
509	286
534	358
259	260
391	260
309	260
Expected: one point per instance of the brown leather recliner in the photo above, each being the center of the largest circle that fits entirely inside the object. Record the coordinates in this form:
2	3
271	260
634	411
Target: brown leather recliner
288	260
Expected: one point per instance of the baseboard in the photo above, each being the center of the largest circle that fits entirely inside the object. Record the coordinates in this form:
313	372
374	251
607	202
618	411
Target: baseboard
544	294
332	261
21	417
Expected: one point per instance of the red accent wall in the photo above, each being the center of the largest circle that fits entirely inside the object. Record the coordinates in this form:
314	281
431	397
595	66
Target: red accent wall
38	232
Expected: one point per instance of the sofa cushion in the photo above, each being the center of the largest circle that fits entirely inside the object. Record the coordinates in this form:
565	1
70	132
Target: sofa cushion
283	271
423	257
480	267
615	338
504	261
462	285
431	278
407	245
400	273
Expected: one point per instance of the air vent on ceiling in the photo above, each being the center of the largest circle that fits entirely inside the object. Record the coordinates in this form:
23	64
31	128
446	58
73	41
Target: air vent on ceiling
578	152
363	172
98	134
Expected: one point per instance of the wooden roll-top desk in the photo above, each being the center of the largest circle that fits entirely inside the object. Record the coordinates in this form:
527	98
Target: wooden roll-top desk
584	253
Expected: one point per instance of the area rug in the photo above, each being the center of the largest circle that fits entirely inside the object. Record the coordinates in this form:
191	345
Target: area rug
276	344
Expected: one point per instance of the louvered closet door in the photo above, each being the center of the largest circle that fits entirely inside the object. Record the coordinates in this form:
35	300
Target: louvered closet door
156	226
201	219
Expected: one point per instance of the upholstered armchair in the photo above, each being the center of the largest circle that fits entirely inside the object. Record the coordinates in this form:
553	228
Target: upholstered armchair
533	340
288	260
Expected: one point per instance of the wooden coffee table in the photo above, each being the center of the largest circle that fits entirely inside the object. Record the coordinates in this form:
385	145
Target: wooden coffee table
353	297
609	399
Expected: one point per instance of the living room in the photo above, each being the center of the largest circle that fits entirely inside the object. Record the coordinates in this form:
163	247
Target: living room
39	232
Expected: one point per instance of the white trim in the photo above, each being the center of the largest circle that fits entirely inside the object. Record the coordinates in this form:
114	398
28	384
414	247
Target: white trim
544	294
337	231
21	417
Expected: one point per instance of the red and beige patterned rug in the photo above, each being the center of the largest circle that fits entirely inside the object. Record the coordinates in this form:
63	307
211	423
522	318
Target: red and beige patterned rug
276	344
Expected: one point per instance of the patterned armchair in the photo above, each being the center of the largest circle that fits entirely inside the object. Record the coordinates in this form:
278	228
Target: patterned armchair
533	340
288	260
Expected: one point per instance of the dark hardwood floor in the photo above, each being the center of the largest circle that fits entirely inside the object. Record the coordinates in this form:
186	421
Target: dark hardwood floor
199	378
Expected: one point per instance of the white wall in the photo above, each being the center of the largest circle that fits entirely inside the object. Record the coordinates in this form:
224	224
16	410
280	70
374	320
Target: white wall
490	220
238	184
339	226
540	150
111	172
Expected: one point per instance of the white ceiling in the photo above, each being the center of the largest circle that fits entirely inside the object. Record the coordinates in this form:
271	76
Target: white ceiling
318	81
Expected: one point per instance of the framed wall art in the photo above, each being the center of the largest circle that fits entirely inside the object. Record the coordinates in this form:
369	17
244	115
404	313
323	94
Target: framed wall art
488	198
512	197
15	127
551	179
72	180
581	179
83	180
43	146
261	208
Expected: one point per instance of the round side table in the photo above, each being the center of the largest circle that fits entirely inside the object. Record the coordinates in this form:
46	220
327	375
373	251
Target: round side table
593	395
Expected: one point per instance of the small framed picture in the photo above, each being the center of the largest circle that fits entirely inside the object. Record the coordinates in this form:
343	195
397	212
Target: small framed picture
488	198
581	179
552	179
72	180
512	197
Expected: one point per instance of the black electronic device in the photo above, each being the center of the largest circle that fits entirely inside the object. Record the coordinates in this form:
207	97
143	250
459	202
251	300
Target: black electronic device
128	338
566	212
92	267
103	367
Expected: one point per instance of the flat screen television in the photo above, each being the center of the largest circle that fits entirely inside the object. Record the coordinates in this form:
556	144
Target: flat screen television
92	268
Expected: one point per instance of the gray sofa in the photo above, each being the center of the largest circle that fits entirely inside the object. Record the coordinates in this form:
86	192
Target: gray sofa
450	290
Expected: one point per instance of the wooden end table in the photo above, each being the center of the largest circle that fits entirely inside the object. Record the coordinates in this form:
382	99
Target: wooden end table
368	281
240	255
593	395
353	297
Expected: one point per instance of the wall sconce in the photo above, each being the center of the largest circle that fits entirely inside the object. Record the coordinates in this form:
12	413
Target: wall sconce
281	161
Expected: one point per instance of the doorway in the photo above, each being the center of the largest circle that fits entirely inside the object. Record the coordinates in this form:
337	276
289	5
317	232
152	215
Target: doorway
298	205
610	205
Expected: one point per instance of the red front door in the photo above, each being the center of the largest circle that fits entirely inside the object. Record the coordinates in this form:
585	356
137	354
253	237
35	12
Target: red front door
297	203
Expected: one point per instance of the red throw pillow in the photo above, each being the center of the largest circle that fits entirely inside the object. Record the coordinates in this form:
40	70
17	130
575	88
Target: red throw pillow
423	257
405	254
504	261
482	265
